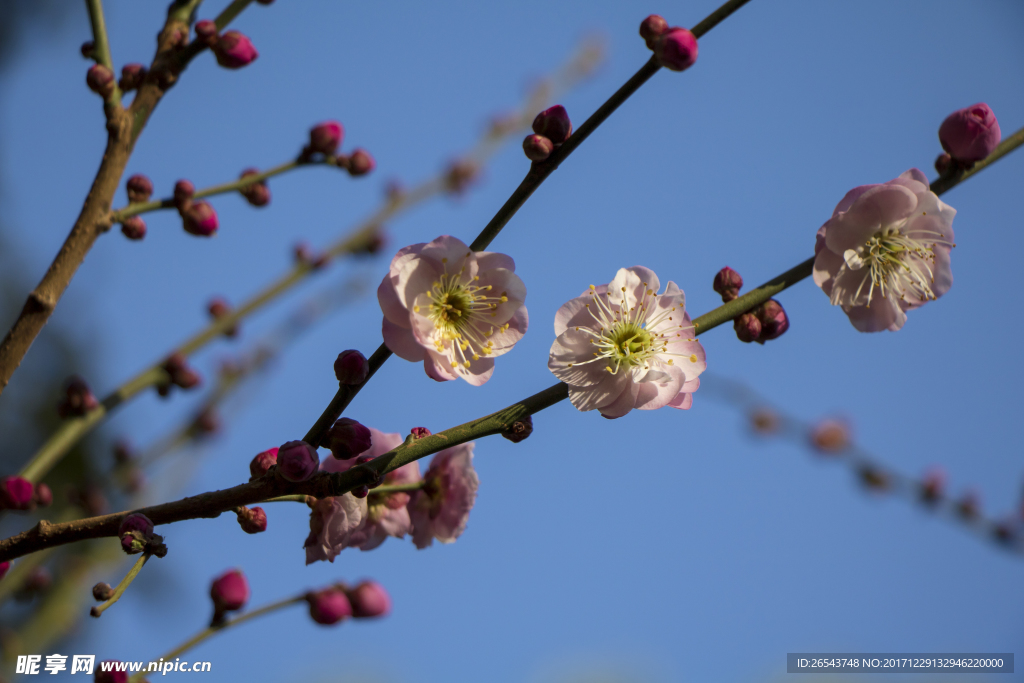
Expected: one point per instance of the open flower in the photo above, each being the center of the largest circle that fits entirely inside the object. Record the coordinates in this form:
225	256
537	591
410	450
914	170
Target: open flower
441	508
622	346
349	522
452	308
885	251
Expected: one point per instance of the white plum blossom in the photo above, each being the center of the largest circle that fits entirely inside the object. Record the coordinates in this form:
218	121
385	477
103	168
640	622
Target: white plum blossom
885	251
622	346
452	308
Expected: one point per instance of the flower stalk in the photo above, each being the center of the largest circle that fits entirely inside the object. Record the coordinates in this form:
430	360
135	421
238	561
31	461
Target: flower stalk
119	590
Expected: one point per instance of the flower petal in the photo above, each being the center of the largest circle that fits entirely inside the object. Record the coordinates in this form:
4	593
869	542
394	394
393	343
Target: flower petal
879	206
402	342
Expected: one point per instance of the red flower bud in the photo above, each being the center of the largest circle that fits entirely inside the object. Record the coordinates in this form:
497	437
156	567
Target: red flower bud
100	80
229	592
252	521
200	219
42	496
728	283
140	188
519	430
360	163
206	32
78	399
773	319
347	438
234	50
351	367
328	606
16	493
652	27
257	194
554	124
133	227
262	463
183	192
676	49
132	76
369	599
325	138
970	134
297	461
537	147
747	327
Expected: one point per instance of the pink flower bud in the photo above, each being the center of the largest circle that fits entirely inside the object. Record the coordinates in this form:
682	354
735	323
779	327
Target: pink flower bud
132	76
369	599
207	422
183	192
206	32
100	80
252	521
554	124
728	283
943	162
933	485
42	496
747	327
329	606
419	432
110	676
234	50
200	219
360	163
537	147
970	134
519	430
326	137
257	194
102	592
461	173
347	438
140	188
773	318
652	27
136	521
78	399
351	367
88	49
230	591
297	461
262	463
218	308
676	49
179	373
16	493
830	437
133	227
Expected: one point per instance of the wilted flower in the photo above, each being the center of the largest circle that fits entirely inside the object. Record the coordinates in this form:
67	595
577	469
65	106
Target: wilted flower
452	308
622	346
441	508
331	524
885	251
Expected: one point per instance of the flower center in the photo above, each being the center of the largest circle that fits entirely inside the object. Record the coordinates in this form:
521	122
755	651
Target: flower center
899	264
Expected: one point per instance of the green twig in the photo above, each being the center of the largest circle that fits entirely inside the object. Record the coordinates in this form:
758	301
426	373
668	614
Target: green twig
101	47
98	610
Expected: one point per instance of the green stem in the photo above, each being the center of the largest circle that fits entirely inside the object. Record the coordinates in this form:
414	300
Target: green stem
101	47
98	610
233	186
297	498
397	488
230	12
223	626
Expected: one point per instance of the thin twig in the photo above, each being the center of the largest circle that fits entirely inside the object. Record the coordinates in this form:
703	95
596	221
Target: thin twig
101	47
98	610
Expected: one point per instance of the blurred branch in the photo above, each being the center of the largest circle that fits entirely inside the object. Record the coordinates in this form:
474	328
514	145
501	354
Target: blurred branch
119	590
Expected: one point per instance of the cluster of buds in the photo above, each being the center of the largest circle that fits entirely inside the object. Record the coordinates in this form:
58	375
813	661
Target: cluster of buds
232	49
675	48
252	521
78	399
198	218
763	323
968	135
136	534
338	602
257	193
179	374
18	493
140	189
132	76
305	256
325	139
218	307
551	128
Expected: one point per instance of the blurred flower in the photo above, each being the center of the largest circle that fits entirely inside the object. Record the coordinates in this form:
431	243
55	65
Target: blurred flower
229	592
441	508
332	522
16	493
885	251
324	138
617	346
78	399
452	308
764	421
830	436
329	606
234	50
369	599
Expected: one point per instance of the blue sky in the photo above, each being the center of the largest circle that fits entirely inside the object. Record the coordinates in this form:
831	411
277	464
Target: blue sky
665	546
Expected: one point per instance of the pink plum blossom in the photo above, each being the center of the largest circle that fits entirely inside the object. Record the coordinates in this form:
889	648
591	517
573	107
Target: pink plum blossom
622	346
452	308
349	522
885	251
441	508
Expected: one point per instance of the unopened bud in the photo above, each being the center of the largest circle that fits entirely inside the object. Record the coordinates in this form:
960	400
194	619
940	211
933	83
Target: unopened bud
16	493
132	76
360	163
207	422
112	676
773	319
329	606
229	592
234	50
325	138
42	496
554	124
140	188
78	399
537	147
933	485
257	194
747	327
100	80
361	491
419	432
252	521
133	227
351	367
652	27
970	134
102	592
218	308
764	421
183	192
262	463
676	49
179	373
200	219
369	599
519	430
830	437
297	461
728	283
136	521
461	173
347	438
206	32
943	162
88	49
